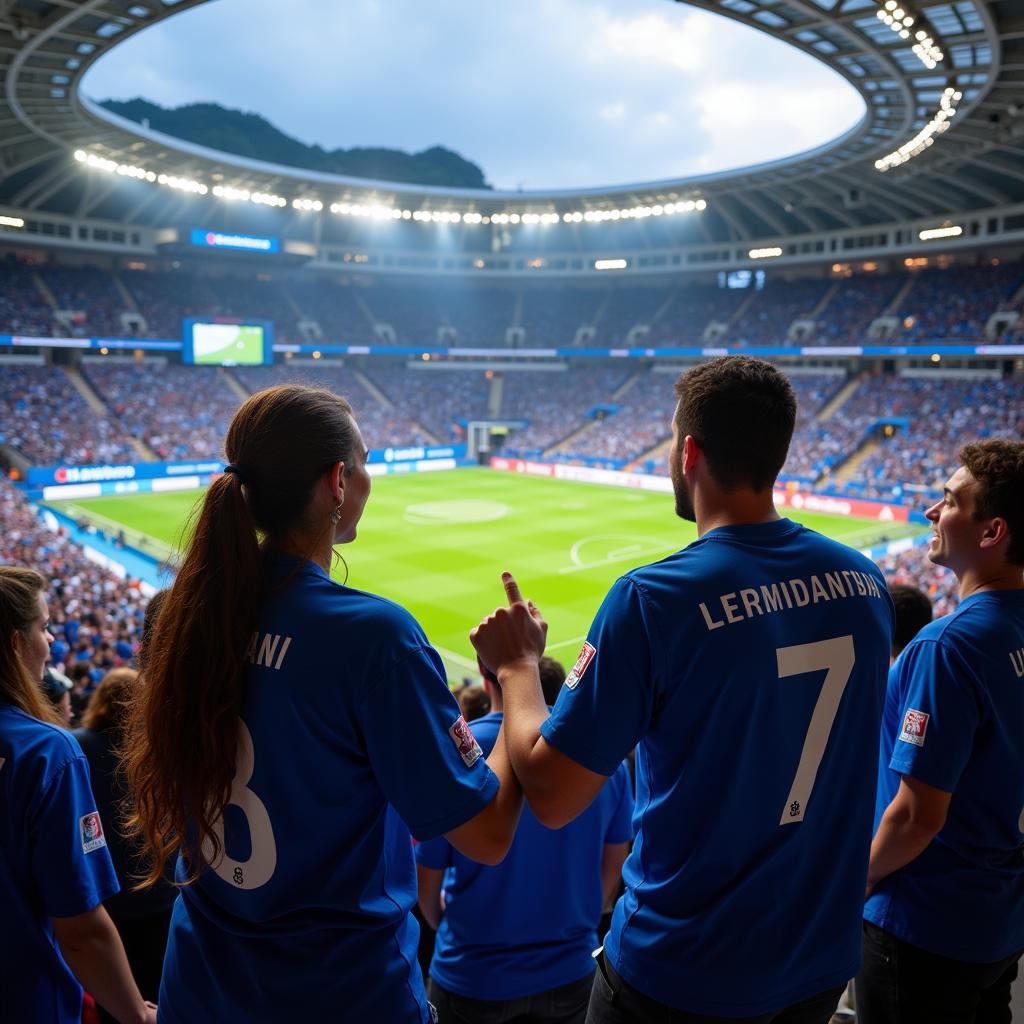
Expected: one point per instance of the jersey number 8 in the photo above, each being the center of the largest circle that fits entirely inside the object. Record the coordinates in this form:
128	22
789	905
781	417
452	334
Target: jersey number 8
258	869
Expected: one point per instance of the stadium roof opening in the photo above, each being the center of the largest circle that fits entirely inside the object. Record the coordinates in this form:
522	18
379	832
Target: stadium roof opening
539	94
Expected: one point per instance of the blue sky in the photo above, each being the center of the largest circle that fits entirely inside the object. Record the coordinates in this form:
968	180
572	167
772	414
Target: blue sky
540	93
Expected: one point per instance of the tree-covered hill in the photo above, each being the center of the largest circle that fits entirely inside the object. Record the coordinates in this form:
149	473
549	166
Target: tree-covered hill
250	135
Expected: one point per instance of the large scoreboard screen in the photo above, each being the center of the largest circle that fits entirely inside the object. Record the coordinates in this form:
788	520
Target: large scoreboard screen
210	343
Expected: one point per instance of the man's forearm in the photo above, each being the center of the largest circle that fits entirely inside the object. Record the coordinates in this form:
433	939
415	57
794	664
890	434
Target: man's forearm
524	713
899	840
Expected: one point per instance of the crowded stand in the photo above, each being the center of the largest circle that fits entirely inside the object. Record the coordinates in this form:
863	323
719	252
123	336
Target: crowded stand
178	412
913	567
690	309
775	308
89	296
624	309
555	404
23	309
337	308
95	616
858	300
938	415
47	421
381	426
955	303
952	303
553	316
440	400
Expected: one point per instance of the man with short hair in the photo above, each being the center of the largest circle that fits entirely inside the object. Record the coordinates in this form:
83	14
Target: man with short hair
944	921
514	942
750	668
913	613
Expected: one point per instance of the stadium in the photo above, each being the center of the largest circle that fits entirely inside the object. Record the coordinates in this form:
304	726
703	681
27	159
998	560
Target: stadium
510	356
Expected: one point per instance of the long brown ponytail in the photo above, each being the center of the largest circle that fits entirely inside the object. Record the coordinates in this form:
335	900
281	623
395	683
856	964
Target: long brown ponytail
180	753
19	608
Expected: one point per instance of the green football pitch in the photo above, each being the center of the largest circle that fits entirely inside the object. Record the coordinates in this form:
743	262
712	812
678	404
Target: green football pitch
437	543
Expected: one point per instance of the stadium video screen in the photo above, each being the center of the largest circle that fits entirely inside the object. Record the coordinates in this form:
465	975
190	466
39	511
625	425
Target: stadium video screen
219	344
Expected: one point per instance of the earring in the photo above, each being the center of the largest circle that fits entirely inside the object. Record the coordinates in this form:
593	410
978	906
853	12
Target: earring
336	514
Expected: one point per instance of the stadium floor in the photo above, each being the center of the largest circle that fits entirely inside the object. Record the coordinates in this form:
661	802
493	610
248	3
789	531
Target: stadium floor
437	542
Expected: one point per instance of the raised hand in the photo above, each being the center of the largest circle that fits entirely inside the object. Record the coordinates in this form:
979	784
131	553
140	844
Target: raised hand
512	634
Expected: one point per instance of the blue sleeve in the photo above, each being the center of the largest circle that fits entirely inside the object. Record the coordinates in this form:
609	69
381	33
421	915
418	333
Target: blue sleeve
605	705
423	753
434	853
620	827
71	864
938	715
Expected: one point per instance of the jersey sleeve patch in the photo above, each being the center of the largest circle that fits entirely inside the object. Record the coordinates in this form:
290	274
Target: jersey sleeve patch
465	742
915	725
91	829
582	664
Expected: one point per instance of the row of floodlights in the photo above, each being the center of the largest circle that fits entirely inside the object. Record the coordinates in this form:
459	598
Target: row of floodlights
901	21
382	212
927	235
926	136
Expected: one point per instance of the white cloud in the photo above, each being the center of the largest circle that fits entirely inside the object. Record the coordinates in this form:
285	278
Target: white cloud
540	93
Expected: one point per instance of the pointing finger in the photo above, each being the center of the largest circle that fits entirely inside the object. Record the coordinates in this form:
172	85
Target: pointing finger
511	589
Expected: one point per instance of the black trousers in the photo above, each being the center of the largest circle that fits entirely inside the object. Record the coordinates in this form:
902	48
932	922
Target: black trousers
904	984
566	1004
613	1001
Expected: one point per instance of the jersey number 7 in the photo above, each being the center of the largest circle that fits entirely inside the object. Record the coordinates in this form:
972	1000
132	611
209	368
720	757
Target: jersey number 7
837	658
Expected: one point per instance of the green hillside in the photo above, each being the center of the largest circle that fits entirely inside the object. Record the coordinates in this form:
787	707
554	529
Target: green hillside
250	135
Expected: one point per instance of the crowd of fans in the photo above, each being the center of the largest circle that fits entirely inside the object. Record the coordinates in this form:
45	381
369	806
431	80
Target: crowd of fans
95	616
555	405
610	415
178	412
45	418
933	304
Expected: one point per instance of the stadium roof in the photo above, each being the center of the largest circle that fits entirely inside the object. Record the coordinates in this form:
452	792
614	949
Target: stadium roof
943	132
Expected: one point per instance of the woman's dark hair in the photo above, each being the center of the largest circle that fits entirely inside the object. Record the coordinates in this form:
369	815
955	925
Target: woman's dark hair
149	622
741	411
180	752
19	608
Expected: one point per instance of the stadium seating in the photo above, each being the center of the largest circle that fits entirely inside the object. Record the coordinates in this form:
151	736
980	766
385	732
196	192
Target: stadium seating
178	412
934	304
44	418
95	615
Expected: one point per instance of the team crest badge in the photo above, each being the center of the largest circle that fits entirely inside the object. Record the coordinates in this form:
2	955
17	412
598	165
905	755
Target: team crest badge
581	666
91	829
915	725
465	742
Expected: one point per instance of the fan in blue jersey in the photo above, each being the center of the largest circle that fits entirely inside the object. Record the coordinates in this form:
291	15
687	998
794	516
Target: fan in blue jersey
749	671
515	942
292	732
944	921
55	869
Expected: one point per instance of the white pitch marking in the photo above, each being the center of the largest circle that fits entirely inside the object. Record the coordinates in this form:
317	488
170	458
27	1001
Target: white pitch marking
643	547
566	643
456	659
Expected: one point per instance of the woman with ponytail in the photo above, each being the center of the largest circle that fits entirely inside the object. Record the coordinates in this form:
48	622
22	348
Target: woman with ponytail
291	734
55	870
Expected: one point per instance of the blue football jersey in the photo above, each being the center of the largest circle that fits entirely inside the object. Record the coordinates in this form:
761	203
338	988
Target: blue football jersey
349	738
954	719
54	862
530	923
749	670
